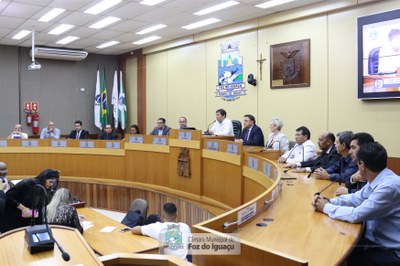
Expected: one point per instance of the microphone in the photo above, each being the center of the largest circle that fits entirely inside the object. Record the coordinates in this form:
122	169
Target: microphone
64	255
208	128
325	188
313	167
303	151
2	179
294	147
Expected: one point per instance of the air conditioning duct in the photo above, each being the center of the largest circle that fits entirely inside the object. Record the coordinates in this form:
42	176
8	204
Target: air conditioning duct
59	54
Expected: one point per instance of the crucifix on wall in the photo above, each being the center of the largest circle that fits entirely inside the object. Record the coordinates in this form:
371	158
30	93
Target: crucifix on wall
261	61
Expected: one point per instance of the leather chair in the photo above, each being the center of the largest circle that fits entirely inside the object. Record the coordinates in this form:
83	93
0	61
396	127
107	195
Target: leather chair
237	128
140	205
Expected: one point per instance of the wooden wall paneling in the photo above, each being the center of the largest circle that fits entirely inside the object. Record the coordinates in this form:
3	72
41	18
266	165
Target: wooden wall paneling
222	181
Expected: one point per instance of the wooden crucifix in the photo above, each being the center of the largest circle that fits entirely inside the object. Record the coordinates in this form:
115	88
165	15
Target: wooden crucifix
261	61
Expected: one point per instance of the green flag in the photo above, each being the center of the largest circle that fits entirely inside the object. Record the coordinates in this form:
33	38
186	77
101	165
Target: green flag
104	105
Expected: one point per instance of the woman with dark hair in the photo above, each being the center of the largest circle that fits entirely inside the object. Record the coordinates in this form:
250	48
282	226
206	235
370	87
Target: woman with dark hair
134	129
26	200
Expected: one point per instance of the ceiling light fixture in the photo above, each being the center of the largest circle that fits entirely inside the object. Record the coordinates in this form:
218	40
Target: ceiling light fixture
150	29
151	2
107	44
100	7
67	40
201	23
216	8
273	3
21	34
51	14
104	22
60	29
148	39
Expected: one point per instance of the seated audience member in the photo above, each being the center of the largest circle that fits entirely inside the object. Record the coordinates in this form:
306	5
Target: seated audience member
161	129
377	205
276	139
345	167
2	198
182	122
27	199
222	125
327	157
356	180
303	151
3	176
108	133
252	134
51	132
60	212
134	129
79	133
17	133
157	230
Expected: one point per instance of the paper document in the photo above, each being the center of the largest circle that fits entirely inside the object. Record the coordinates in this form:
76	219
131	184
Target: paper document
108	229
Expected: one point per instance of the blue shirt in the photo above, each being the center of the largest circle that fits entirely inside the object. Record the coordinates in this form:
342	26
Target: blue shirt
378	205
46	134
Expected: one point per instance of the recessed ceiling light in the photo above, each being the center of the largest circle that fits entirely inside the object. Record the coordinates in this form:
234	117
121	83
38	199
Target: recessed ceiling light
148	39
216	8
201	23
103	5
67	40
151	2
107	44
273	3
104	22
21	34
150	29
51	14
60	29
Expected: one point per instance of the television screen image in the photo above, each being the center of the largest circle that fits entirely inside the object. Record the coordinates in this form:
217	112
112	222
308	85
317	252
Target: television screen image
379	56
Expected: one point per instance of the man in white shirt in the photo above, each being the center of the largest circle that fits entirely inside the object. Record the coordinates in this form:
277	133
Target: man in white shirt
303	151
51	132
17	133
222	125
174	237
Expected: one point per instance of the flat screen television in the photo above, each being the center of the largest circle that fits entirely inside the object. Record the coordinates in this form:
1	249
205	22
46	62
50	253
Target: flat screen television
379	55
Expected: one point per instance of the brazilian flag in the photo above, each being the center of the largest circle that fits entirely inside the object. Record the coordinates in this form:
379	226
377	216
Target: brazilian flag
104	105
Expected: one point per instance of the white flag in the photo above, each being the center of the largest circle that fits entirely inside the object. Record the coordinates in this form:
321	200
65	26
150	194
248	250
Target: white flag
97	110
114	99
122	114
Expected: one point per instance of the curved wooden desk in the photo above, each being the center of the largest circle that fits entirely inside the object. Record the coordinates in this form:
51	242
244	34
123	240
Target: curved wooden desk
14	252
223	178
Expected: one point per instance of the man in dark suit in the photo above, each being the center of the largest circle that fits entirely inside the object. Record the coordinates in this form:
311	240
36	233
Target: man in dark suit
252	134
327	157
108	133
161	129
79	133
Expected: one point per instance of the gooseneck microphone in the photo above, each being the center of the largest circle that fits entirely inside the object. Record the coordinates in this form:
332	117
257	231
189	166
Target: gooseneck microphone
325	188
208	127
64	255
294	147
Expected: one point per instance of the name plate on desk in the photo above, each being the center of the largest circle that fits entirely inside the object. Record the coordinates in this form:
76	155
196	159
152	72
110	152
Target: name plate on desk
86	144
266	168
59	143
275	174
112	145
212	145
160	141
3	143
232	148
136	139
30	143
185	135
253	163
247	213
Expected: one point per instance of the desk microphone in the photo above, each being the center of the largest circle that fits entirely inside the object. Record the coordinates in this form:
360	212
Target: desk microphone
313	167
208	127
294	147
335	180
2	179
64	255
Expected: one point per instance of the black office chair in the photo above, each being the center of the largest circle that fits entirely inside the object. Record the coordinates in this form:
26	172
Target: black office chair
237	128
373	61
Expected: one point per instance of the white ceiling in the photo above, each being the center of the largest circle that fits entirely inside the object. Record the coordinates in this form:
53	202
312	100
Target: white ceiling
17	15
